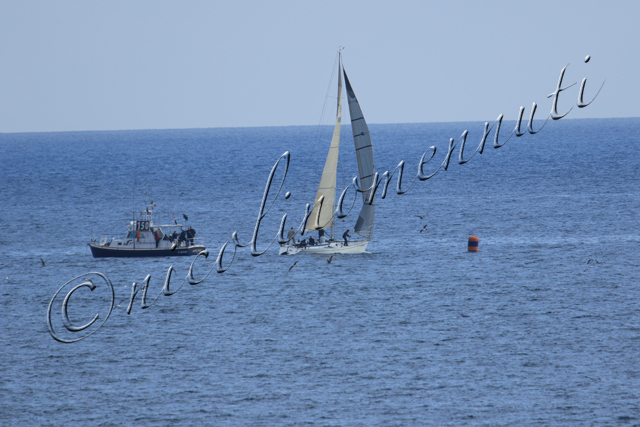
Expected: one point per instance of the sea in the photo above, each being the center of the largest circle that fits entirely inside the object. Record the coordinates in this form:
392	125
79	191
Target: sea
539	327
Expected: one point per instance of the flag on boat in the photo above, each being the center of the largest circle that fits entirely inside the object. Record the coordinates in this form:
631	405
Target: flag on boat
174	219
186	218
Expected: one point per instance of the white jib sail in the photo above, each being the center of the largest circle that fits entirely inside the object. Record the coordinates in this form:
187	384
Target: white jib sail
366	167
324	204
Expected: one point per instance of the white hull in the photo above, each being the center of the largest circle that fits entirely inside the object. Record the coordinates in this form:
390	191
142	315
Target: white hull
354	247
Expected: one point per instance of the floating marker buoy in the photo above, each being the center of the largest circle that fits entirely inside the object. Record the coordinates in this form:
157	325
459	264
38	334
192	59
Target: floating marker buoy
473	244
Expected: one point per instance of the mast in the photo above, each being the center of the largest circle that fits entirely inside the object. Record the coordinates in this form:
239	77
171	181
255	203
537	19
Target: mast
322	215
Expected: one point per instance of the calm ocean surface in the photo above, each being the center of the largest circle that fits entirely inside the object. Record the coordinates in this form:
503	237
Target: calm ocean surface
417	331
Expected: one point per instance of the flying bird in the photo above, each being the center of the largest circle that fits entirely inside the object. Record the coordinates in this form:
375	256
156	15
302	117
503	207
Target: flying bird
330	259
424	228
591	263
41	260
421	216
294	264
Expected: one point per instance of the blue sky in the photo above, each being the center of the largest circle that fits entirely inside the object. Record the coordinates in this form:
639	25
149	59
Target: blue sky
79	65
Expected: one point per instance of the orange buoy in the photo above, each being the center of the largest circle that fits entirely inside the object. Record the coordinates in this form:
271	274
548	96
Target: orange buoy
473	244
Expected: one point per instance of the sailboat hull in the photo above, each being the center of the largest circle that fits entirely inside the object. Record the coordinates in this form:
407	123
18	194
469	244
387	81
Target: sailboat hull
354	247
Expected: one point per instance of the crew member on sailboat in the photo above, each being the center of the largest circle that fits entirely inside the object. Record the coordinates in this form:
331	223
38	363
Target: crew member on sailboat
344	236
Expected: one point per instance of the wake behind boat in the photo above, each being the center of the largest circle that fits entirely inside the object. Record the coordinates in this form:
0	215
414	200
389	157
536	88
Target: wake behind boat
323	214
145	239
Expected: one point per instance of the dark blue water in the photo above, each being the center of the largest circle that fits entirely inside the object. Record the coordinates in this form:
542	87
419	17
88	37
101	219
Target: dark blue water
416	332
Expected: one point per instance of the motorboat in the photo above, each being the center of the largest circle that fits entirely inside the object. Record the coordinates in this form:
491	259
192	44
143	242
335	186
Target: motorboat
145	239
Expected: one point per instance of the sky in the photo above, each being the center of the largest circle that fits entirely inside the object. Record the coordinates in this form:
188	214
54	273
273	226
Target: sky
116	65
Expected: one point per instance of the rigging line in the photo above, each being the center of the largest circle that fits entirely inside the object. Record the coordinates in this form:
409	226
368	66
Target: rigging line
327	96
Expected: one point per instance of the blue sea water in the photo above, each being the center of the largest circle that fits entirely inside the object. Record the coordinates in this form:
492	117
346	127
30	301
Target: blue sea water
418	331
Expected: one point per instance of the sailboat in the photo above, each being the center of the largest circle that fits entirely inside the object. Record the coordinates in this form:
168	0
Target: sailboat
323	213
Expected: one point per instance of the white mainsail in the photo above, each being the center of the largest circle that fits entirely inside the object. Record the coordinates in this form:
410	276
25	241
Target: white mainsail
366	167
324	204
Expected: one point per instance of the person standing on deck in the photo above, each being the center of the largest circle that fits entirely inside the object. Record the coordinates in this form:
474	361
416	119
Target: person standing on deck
344	236
291	235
